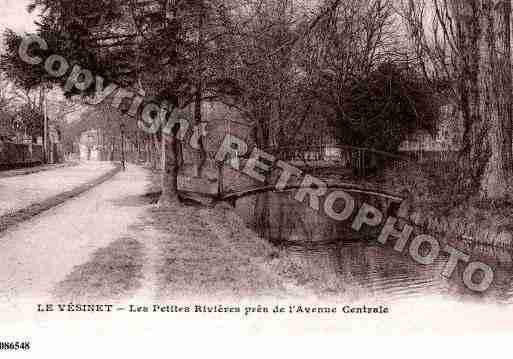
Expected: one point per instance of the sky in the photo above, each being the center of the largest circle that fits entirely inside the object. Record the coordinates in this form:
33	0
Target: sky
14	15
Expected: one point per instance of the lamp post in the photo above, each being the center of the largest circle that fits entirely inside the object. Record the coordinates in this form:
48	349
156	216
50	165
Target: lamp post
122	128
45	128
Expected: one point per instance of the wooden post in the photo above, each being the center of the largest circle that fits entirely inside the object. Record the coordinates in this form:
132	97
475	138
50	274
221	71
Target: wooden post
220	179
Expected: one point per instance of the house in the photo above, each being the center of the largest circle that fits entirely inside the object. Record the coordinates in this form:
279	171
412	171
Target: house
89	146
447	139
7	132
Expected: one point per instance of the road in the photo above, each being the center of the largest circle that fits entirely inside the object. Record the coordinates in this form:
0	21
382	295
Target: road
19	192
41	252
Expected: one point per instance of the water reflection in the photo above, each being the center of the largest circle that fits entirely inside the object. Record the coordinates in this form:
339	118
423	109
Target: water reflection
333	253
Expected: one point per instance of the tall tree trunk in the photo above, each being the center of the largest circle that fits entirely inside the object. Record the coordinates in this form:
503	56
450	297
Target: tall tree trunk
111	155
262	129
137	148
199	126
172	160
170	145
148	150
170	164
496	99
503	11
154	152
198	120
483	41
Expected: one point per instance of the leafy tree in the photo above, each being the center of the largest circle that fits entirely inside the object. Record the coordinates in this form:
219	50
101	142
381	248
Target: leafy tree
167	49
31	121
21	73
384	107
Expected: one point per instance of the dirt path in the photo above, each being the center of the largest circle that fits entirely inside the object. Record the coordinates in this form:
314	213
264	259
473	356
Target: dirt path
31	170
112	244
76	244
14	217
19	192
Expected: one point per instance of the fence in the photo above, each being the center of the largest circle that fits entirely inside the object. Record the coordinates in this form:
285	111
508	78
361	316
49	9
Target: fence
434	156
361	160
17	154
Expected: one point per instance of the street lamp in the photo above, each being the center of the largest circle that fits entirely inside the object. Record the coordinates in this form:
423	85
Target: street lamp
122	128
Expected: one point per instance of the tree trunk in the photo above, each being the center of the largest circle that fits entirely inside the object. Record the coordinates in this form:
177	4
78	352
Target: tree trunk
201	151
262	221
154	152
172	160
111	155
504	16
262	130
137	148
496	97
148	150
198	120
484	45
170	164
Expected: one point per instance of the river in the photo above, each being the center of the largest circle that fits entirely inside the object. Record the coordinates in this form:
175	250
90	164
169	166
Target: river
356	264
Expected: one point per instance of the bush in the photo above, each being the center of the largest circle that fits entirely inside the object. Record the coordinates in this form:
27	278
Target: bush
385	107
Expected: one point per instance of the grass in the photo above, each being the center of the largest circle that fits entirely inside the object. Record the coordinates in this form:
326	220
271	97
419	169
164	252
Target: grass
113	272
437	191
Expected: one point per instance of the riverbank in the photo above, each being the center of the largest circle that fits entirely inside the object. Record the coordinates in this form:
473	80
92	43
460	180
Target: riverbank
210	252
438	203
214	248
304	271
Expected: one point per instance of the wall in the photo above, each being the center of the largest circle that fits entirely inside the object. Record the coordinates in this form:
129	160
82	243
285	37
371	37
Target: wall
15	154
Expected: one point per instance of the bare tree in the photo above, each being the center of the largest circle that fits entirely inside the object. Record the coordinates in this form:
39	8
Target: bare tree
466	46
266	62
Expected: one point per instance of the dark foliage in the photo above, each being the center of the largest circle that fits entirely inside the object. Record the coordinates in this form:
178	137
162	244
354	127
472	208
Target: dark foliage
30	121
385	107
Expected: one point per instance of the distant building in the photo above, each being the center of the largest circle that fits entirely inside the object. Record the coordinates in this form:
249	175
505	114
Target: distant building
7	132
12	129
448	137
89	145
55	149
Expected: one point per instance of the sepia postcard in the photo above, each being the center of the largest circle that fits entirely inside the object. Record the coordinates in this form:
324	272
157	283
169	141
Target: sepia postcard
194	172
